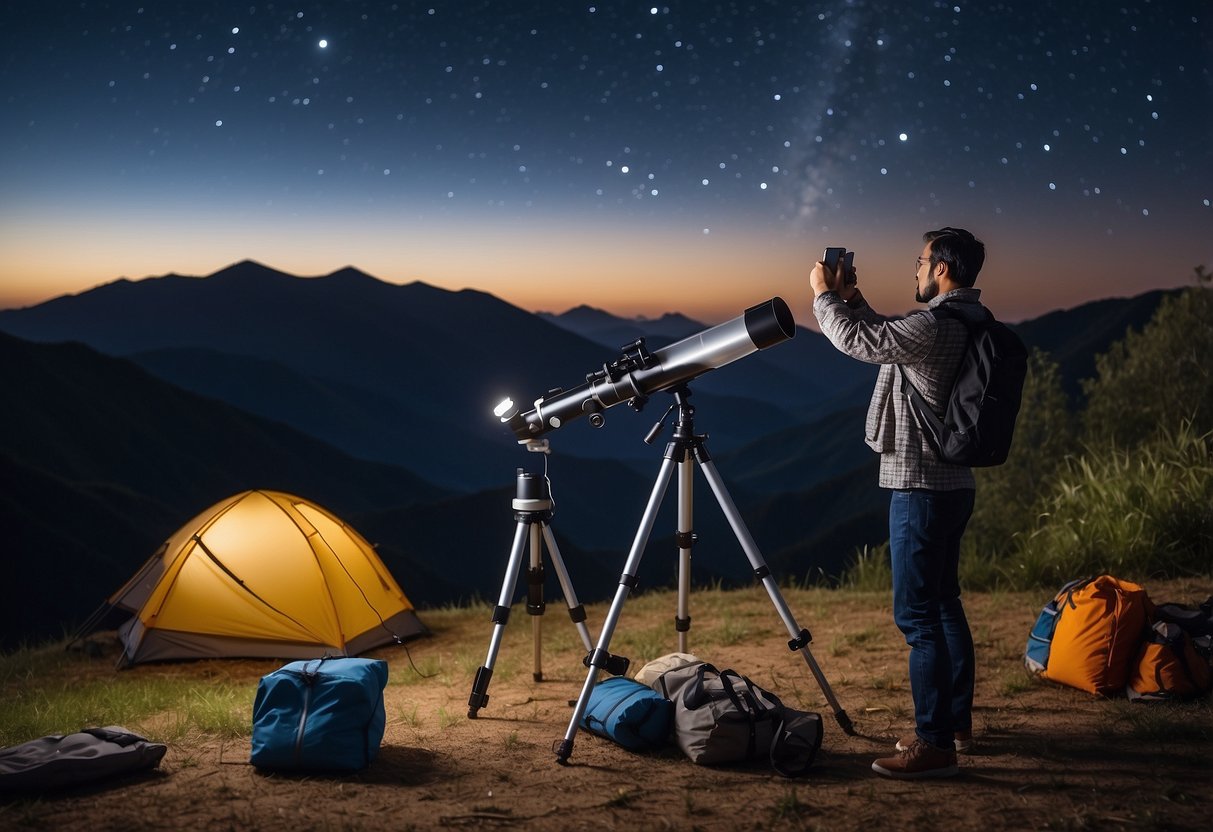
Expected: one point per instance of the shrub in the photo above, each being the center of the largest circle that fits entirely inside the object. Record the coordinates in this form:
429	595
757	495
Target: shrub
1133	513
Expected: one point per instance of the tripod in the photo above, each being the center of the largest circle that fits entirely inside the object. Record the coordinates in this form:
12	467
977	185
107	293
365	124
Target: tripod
683	446
532	511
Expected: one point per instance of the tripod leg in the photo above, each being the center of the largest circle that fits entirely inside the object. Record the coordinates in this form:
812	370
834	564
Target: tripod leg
800	637
600	658
685	537
576	610
534	600
501	615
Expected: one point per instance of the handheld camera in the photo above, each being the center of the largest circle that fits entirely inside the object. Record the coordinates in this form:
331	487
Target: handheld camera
836	254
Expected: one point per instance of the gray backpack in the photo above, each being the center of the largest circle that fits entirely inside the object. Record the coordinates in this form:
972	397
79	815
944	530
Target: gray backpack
723	717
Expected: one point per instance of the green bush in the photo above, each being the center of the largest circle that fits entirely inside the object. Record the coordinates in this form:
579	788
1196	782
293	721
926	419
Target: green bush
1011	495
871	572
1135	513
1158	377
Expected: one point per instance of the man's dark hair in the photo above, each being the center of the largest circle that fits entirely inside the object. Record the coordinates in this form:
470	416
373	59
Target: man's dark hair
963	253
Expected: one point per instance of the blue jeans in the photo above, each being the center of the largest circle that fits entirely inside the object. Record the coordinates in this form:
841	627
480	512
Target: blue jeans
925	528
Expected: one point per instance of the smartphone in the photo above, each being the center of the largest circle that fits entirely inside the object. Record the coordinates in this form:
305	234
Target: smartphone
832	256
848	263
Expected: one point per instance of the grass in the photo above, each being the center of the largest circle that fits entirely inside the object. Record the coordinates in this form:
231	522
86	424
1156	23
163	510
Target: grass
841	645
47	690
1015	681
789	807
871	570
176	706
1147	723
1131	514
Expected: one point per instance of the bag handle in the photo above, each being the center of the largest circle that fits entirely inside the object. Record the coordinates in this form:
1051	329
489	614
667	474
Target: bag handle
745	699
693	696
752	695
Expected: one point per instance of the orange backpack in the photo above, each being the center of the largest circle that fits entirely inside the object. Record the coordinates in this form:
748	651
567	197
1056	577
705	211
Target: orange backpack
1100	627
1176	660
1169	666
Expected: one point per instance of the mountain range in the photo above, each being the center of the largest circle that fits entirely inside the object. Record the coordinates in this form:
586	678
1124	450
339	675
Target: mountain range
135	405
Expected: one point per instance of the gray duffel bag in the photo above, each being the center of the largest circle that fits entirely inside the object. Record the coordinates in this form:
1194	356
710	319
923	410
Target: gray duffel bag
721	716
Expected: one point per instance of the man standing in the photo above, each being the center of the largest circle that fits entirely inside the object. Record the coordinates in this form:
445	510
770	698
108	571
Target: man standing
931	500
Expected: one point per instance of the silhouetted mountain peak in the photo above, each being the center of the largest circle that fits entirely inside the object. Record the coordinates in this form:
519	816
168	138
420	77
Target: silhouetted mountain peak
671	321
247	270
349	274
592	319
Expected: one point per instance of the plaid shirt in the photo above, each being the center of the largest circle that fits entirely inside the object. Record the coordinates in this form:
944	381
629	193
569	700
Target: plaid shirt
929	352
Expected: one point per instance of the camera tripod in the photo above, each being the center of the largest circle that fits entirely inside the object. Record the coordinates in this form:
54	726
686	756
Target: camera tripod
532	510
684	446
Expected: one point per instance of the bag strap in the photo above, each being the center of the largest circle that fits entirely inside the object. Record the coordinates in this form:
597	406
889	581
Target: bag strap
924	410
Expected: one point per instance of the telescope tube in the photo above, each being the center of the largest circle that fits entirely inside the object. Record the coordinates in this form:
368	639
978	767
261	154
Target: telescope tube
758	328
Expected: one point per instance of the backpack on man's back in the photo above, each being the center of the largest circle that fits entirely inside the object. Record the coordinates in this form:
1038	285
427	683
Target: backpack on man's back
978	422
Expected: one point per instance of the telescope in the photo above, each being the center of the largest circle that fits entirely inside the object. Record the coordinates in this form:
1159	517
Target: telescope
638	373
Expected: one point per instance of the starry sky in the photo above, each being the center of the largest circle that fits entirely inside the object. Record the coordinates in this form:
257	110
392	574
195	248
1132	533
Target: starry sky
641	158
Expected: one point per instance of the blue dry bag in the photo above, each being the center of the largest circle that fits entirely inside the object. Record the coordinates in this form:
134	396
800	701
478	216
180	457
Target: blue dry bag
629	713
320	715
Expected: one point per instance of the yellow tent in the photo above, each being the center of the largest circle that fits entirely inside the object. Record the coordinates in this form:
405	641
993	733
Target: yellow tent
262	574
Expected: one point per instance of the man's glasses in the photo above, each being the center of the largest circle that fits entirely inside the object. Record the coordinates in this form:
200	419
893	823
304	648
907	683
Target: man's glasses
918	261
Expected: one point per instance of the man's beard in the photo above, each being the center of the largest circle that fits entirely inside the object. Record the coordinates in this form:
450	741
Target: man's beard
928	292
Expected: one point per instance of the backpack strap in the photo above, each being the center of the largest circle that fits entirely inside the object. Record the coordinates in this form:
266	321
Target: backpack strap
921	407
925	411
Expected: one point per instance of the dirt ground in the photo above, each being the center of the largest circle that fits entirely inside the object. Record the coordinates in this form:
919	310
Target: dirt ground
1047	757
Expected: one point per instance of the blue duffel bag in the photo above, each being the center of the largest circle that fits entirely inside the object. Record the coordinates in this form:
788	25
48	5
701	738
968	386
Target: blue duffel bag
319	715
629	713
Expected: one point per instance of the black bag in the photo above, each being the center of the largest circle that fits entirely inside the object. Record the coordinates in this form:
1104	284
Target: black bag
979	420
1195	621
67	760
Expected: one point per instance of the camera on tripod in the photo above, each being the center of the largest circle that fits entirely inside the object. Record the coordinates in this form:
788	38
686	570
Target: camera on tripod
638	373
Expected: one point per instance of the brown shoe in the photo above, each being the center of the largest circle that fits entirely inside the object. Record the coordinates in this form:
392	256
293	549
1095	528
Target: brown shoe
920	760
962	740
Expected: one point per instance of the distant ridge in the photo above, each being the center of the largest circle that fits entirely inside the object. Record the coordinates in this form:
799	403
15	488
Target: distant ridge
434	361
375	400
610	330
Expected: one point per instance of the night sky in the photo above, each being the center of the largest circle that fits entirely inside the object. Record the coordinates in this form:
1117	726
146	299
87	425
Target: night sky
693	157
